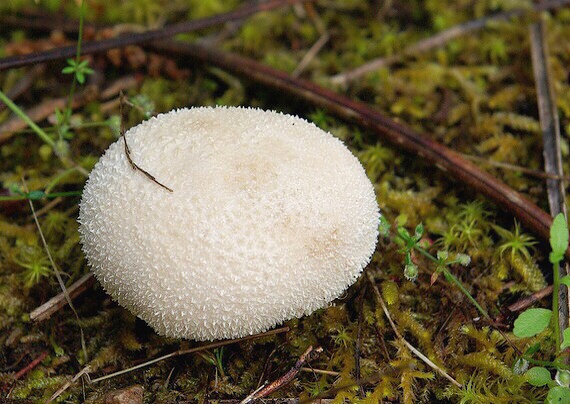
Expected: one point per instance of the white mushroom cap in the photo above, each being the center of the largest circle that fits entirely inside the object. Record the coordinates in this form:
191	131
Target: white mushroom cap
271	218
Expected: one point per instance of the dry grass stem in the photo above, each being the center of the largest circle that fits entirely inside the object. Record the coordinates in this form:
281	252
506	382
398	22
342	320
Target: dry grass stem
54	304
414	350
192	350
287	378
550	127
57	273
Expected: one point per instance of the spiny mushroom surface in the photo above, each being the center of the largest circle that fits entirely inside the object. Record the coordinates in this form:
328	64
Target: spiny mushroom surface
270	218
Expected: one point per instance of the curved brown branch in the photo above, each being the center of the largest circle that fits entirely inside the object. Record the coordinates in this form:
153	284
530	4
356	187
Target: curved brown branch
132	39
398	134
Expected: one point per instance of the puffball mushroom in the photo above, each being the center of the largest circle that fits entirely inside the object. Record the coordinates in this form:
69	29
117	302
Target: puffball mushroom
270	218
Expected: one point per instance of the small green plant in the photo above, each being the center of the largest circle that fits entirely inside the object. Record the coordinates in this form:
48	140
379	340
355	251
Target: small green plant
79	69
443	261
17	194
35	263
534	321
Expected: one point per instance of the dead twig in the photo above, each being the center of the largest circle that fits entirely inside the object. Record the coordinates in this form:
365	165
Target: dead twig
84	371
389	130
442	38
550	128
59	301
133	39
358	344
30	365
134	165
287	378
549	123
324	37
321	371
192	350
528	301
311	54
512	167
57	272
414	350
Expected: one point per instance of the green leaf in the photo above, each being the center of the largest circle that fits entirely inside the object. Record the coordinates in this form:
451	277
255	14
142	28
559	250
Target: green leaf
565	339
404	233
68	70
558	238
419	231
558	394
532	322
538	376
565	280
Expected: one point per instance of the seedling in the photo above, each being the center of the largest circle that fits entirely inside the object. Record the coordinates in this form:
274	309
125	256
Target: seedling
534	321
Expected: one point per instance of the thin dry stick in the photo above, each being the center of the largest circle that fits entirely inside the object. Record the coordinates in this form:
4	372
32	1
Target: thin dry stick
47	207
528	301
550	128
512	167
54	304
321	371
394	132
57	273
84	371
133	39
31	365
287	378
134	165
192	350
358	344
441	38
415	351
317	46
265	370
311	54
549	122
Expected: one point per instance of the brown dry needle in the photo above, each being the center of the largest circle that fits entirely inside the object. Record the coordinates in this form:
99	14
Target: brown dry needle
134	165
287	378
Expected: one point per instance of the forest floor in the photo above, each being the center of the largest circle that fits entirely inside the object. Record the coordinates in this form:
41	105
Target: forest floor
477	88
